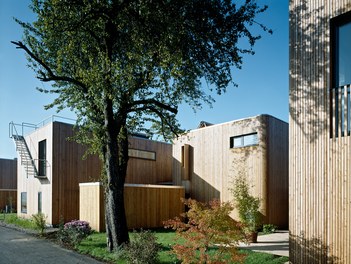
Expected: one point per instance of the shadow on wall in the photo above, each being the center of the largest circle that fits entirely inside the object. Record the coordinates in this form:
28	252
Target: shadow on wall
309	70
196	187
315	250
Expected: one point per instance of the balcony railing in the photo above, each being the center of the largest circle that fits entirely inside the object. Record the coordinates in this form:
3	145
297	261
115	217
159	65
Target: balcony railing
340	111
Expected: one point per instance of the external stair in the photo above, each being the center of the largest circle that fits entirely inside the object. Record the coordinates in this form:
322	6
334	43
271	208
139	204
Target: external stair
26	158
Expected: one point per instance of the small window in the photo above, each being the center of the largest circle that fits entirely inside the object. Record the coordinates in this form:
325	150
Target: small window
42	158
23	202
40	202
244	140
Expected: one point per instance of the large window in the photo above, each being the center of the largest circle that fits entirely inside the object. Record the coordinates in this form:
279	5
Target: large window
42	158
23	202
340	101
244	140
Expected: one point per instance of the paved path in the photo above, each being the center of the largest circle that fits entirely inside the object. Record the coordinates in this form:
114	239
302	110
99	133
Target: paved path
276	243
17	247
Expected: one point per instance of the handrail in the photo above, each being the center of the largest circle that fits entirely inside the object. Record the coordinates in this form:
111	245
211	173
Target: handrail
52	119
12	125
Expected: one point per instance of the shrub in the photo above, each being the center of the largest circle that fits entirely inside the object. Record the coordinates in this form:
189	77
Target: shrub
248	205
269	229
39	221
143	248
207	226
73	232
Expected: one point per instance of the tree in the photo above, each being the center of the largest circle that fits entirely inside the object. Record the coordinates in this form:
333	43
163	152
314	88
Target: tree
123	64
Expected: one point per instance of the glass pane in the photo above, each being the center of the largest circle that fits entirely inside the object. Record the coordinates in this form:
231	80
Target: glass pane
39	202
250	140
238	142
343	63
24	202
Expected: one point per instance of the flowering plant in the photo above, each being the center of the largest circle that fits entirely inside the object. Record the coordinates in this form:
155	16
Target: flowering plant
73	232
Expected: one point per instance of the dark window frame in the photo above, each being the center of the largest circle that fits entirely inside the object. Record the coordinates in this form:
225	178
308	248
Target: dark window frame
42	151
24	202
334	103
242	137
40	202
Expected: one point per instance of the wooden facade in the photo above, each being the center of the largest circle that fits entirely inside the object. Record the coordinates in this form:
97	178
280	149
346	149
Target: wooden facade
8	184
320	153
146	205
58	193
207	160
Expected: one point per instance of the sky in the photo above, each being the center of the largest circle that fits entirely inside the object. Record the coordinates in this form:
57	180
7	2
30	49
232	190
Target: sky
262	81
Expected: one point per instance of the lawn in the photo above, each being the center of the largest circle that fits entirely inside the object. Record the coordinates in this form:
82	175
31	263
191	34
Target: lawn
95	245
20	222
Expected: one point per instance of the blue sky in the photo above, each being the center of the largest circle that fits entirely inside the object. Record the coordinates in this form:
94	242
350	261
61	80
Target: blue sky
263	79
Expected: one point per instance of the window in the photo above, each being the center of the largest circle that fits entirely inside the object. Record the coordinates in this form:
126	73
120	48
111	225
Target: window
23	202
340	118
244	140
42	158
39	202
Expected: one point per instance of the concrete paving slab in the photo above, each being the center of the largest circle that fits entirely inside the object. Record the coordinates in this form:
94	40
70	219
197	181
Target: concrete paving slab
276	243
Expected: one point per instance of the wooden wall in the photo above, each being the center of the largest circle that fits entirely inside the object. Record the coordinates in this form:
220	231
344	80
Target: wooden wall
147	171
8	197
319	167
69	169
91	205
32	186
277	137
66	169
214	165
8	174
147	206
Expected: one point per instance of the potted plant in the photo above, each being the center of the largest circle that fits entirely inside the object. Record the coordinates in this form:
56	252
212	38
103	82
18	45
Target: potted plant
248	208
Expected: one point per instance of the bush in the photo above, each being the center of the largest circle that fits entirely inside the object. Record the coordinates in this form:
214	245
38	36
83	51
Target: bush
206	227
73	232
39	221
142	248
248	205
269	229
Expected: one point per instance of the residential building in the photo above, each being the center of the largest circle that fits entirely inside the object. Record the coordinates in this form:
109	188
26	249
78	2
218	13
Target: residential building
208	159
320	125
50	168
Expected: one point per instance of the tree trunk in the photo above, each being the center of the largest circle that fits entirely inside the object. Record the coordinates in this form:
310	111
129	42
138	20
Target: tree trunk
115	166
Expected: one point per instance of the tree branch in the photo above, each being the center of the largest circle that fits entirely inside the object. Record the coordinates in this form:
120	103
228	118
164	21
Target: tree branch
50	76
159	114
148	103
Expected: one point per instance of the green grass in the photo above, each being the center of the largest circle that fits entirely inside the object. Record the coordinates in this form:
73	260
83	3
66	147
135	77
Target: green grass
95	245
21	222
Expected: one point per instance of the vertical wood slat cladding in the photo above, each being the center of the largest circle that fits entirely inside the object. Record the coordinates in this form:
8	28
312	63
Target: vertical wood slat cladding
215	164
8	183
8	197
91	205
8	174
319	167
69	169
66	169
147	206
145	171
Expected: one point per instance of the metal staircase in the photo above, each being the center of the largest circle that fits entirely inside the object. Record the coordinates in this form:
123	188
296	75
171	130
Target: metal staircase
22	149
26	158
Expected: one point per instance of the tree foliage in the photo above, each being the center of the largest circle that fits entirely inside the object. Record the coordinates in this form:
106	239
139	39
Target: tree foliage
122	65
206	226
